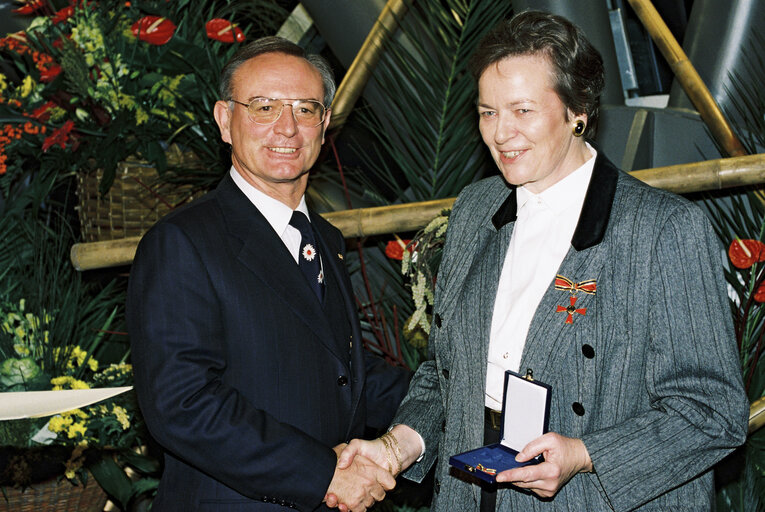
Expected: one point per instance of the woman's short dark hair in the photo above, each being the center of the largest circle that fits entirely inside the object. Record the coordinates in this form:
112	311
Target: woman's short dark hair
273	44
578	67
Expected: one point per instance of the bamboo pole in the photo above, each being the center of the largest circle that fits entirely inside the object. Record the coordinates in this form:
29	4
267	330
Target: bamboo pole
688	77
757	415
366	59
707	175
694	177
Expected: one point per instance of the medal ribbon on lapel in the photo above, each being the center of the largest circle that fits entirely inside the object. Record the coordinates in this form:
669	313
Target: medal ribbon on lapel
565	284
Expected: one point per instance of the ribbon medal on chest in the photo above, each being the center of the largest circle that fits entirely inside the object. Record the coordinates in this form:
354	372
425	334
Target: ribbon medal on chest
565	284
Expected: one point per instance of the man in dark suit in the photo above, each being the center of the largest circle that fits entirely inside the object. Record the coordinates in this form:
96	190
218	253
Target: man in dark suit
249	366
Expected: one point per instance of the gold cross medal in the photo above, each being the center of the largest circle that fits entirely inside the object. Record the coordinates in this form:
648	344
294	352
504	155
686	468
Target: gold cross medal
565	284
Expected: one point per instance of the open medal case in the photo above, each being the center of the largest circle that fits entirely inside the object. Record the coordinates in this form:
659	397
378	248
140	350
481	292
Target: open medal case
525	417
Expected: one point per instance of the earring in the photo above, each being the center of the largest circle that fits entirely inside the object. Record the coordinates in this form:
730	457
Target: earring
578	128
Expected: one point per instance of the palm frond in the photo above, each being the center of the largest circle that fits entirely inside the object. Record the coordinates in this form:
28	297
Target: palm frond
428	128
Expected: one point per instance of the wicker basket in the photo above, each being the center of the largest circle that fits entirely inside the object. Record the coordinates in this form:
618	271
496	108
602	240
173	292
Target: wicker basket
55	496
136	200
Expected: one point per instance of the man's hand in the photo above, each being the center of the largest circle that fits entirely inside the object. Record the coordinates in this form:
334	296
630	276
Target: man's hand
358	485
375	451
564	457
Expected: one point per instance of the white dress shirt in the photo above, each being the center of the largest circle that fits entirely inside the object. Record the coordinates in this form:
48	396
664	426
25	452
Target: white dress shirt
541	238
276	213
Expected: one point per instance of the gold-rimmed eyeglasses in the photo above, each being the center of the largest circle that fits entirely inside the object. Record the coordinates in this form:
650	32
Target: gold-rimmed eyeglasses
307	113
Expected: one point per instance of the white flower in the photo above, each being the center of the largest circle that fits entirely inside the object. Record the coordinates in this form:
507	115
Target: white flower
309	252
321	276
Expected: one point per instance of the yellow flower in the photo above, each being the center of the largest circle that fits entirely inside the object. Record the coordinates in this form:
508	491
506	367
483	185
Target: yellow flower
122	416
59	423
56	114
76	428
93	364
27	86
78	384
78	355
60	382
126	101
140	116
3	83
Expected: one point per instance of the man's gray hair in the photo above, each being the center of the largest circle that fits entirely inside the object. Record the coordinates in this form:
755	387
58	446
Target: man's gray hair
273	44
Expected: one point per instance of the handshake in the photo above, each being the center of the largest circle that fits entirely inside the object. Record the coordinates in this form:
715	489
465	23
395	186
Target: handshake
367	469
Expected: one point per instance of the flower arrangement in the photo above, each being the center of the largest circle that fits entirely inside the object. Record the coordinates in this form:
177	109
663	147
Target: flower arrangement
93	82
420	258
30	360
747	283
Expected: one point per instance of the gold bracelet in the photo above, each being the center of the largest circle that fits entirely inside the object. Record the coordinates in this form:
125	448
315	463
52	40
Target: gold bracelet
388	453
392	444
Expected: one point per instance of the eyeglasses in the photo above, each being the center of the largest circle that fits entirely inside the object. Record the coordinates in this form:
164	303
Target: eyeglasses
307	113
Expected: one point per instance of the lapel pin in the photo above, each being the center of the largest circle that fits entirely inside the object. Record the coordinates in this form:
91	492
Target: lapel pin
340	256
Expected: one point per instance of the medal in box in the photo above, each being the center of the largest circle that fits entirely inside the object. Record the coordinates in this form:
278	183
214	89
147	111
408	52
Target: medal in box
525	417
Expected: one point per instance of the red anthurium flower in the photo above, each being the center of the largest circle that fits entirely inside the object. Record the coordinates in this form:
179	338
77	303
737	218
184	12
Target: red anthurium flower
759	294
153	30
395	249
63	14
42	113
745	253
29	6
60	136
49	72
224	31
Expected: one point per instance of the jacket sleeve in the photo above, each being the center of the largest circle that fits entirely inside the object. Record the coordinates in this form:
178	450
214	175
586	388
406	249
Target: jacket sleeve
698	408
423	408
179	358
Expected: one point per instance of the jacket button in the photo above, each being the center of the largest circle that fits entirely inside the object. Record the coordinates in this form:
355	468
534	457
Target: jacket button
445	373
342	380
588	351
578	408
437	320
437	486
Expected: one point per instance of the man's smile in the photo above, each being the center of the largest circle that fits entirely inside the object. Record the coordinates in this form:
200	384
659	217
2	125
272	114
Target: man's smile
283	150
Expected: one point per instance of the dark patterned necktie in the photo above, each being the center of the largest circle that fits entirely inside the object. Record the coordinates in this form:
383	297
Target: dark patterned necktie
308	259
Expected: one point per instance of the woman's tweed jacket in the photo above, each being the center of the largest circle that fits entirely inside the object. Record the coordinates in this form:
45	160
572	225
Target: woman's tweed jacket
648	378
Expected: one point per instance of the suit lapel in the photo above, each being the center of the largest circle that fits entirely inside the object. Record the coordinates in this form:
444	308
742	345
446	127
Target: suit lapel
471	251
264	254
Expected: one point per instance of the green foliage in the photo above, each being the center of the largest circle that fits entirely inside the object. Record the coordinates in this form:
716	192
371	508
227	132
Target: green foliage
428	128
429	145
738	217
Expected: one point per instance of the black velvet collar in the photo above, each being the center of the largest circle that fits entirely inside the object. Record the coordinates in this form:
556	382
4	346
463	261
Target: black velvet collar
596	209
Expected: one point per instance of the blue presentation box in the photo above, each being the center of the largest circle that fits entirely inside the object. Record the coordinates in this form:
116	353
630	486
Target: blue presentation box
525	416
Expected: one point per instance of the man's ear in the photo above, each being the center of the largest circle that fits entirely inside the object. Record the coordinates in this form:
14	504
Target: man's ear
222	114
325	124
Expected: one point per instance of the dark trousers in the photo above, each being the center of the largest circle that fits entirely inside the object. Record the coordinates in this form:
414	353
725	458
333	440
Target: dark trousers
489	491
